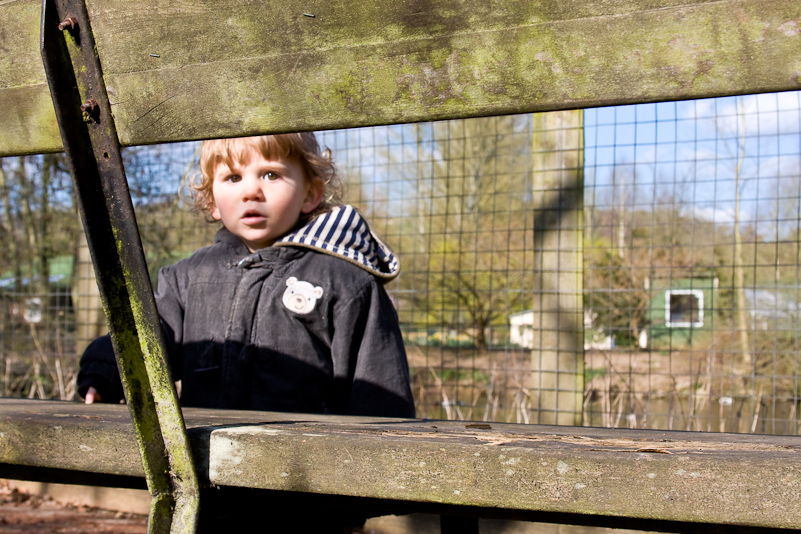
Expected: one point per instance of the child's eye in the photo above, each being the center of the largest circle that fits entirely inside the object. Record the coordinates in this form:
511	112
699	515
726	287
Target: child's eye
271	176
234	178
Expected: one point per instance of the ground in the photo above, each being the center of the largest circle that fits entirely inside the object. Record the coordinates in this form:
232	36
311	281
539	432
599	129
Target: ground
24	513
21	513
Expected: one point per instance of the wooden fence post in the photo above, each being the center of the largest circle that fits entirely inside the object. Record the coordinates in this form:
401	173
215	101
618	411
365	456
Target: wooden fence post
89	317
557	358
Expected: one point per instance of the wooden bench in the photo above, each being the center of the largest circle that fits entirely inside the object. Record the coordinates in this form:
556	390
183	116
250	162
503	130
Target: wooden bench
226	68
651	480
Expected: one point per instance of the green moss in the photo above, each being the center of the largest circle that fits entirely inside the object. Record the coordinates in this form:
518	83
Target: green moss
380	64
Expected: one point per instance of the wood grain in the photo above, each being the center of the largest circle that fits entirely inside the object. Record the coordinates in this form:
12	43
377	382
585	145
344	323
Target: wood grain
185	70
505	470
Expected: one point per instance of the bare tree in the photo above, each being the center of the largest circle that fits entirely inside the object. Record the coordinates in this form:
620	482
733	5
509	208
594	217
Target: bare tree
474	270
739	271
9	228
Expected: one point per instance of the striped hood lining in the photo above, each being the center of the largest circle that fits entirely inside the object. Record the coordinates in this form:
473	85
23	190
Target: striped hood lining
344	233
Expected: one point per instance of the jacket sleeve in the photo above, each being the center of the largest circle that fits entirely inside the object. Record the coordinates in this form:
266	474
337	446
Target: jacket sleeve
369	357
98	365
98	369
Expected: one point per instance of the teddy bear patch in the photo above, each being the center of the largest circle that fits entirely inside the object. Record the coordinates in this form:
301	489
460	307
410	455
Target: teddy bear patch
301	297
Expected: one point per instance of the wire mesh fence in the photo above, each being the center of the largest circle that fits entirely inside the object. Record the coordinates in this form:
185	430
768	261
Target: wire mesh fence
634	266
692	218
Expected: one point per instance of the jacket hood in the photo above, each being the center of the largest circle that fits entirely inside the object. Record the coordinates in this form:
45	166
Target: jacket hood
344	233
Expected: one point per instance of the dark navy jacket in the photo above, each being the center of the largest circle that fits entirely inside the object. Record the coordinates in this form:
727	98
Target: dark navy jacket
302	326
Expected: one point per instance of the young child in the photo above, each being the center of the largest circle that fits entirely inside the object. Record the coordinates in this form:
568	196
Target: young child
286	311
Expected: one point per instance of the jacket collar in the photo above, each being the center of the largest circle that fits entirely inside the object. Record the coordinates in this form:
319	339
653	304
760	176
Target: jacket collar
344	233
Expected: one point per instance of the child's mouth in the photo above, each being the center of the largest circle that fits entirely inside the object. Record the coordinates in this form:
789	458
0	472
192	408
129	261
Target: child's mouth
252	217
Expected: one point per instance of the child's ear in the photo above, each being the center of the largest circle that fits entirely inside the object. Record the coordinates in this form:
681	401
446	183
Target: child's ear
215	211
314	195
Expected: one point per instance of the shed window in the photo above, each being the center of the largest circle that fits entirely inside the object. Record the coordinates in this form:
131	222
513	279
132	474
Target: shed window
684	308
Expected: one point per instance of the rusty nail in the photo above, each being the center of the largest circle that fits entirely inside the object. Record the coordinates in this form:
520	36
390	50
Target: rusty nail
68	23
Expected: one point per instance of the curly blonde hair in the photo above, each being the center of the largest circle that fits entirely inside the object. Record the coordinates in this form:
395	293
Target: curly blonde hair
301	148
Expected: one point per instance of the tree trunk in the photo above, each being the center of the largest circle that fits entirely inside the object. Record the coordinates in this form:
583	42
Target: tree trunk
739	272
11	232
31	237
480	335
45	249
421	196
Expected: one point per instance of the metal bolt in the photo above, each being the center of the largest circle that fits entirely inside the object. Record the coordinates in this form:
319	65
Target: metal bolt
90	109
68	23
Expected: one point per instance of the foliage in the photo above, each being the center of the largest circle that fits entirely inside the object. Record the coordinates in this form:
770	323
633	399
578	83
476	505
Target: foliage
619	299
468	231
662	243
169	229
38	220
38	227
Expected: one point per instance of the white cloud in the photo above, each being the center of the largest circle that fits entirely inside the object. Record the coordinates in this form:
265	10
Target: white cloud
767	114
715	215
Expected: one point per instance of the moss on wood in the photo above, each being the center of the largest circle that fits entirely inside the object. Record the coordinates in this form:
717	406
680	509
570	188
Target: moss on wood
224	68
651	475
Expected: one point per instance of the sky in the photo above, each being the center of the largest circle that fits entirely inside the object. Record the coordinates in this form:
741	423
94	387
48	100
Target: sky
672	152
688	151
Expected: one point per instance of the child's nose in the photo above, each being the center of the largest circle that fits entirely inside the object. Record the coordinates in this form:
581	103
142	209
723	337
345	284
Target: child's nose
251	189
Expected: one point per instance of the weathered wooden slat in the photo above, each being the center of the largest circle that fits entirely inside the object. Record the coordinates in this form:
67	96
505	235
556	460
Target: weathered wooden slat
649	475
188	70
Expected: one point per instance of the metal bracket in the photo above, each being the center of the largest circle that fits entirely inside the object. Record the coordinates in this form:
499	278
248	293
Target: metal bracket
93	153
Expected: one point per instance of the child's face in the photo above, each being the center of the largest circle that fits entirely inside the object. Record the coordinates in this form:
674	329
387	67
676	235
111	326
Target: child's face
261	200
